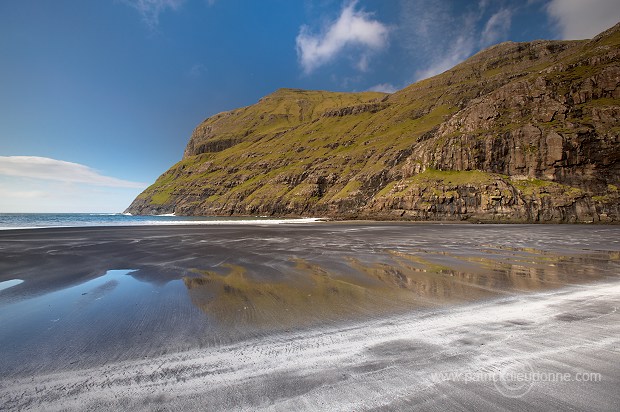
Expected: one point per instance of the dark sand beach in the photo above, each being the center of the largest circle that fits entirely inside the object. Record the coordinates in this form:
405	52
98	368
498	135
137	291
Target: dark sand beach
326	316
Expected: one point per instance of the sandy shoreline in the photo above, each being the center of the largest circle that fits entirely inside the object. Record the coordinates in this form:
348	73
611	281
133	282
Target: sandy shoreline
325	316
72	255
390	364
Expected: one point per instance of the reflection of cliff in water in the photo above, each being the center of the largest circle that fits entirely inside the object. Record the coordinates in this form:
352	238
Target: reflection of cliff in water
313	292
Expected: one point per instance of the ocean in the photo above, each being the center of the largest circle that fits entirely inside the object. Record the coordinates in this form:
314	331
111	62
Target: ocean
44	220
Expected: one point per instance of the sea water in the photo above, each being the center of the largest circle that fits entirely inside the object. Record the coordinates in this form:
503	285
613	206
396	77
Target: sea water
42	220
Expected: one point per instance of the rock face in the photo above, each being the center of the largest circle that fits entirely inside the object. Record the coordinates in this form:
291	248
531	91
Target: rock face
520	132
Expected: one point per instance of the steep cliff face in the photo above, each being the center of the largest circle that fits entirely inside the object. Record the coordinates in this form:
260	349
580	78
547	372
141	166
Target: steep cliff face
519	132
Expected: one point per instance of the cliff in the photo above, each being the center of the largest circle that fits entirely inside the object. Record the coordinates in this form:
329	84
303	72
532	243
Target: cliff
522	132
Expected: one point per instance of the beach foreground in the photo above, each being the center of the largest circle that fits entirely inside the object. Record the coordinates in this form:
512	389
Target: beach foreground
311	317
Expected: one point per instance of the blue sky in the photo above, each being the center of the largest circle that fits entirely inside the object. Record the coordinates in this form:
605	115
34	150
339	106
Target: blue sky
98	98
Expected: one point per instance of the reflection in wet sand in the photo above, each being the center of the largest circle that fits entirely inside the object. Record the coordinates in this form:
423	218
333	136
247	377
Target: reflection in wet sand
238	298
312	292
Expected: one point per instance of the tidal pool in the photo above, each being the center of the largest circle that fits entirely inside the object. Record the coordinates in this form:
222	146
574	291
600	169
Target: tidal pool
10	283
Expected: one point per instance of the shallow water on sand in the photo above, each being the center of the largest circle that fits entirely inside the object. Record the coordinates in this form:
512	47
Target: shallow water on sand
105	319
188	288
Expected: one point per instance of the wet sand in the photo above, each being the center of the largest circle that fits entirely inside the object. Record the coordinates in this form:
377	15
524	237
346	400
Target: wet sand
355	316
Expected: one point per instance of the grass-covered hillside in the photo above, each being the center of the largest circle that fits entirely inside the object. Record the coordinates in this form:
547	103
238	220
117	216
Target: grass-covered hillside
519	132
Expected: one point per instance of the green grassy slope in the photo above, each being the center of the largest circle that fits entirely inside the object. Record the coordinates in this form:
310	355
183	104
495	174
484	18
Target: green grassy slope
516	113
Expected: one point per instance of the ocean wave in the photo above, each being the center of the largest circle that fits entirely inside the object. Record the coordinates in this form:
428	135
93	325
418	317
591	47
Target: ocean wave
42	221
233	222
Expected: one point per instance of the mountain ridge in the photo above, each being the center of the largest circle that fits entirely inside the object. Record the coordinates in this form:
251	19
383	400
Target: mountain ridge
519	132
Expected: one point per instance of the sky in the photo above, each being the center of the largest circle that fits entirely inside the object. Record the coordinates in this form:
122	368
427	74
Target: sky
99	97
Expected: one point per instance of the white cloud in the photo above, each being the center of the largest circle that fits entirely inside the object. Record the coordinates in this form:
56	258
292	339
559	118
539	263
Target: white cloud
52	169
384	88
151	9
583	19
496	28
354	28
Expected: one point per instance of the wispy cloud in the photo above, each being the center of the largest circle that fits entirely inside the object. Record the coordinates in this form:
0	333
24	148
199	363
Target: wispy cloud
58	170
151	9
441	36
25	195
384	88
496	28
461	49
354	29
8	192
197	70
580	19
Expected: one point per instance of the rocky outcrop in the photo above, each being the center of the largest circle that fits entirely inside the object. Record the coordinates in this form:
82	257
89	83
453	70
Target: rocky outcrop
357	109
520	132
491	198
534	128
